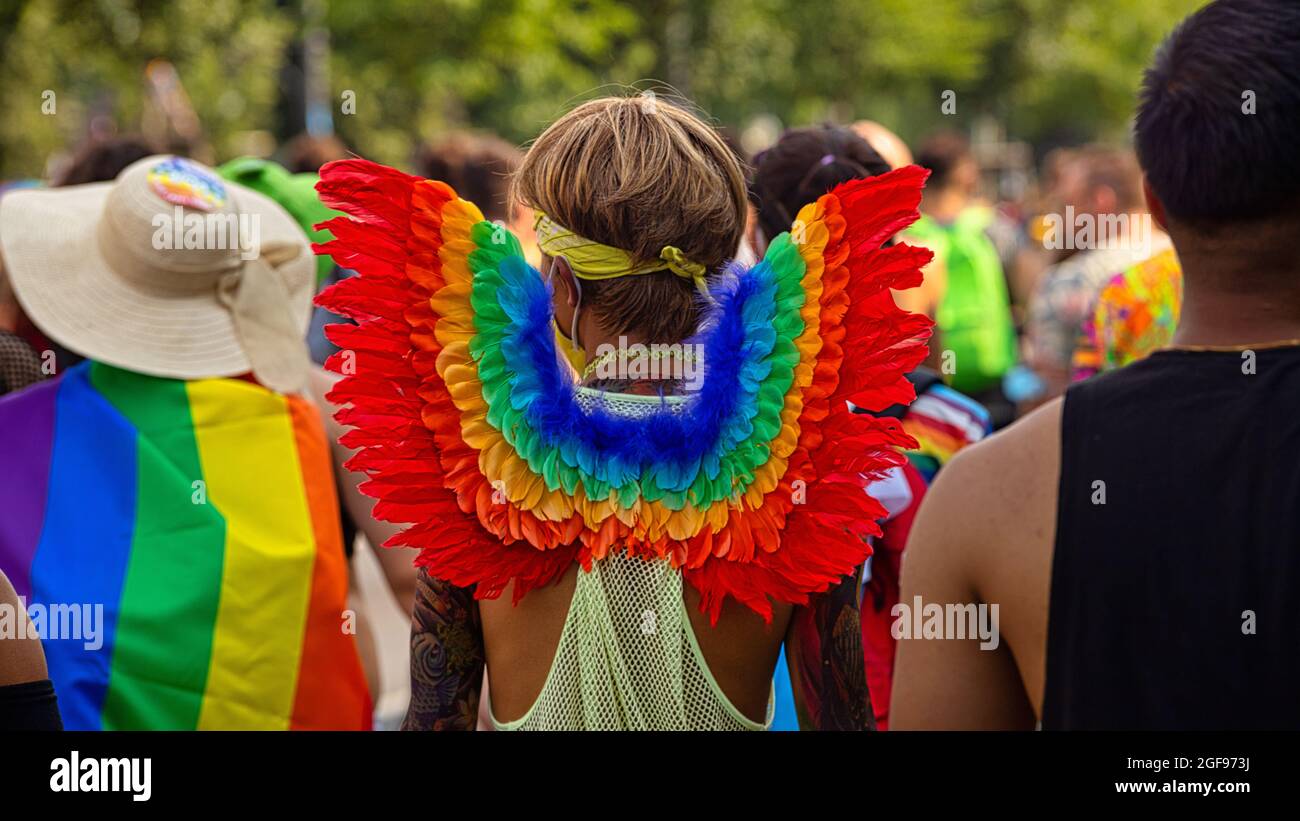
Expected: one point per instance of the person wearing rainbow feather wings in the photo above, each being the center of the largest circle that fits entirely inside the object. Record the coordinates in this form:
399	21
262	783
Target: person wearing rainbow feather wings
659	544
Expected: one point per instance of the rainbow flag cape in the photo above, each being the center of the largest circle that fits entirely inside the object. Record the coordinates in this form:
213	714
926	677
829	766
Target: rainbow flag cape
201	518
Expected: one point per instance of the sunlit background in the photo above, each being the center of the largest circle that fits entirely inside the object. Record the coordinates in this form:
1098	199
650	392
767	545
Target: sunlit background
221	78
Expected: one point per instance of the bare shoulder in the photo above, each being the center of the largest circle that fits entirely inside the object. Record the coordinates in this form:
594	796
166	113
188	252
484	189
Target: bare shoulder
990	489
21	659
1012	466
986	530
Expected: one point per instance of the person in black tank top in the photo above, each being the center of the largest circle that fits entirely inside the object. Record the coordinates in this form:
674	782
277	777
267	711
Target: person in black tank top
27	698
1140	538
1176	575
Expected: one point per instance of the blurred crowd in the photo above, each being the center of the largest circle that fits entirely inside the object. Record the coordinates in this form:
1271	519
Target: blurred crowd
1016	318
1025	302
1071	279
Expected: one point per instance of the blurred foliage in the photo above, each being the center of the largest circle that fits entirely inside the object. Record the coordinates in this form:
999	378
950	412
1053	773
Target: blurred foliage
92	56
1042	68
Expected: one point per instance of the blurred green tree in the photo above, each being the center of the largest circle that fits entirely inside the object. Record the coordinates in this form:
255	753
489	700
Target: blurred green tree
415	68
92	55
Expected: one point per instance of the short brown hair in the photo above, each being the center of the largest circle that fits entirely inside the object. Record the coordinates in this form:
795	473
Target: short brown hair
942	152
639	174
102	160
306	153
478	166
1114	168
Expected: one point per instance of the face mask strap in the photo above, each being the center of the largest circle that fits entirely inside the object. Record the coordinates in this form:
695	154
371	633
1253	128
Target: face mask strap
573	326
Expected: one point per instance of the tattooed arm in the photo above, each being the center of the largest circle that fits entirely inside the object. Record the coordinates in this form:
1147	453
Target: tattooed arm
446	657
824	652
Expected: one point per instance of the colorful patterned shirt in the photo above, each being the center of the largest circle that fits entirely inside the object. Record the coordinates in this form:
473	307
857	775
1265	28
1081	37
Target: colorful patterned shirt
1134	314
1062	300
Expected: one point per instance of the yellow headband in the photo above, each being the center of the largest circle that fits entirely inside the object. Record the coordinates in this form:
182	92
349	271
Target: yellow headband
589	259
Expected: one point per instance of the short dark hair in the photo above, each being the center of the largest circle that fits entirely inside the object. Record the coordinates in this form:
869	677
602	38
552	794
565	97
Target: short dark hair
1204	156
477	166
804	164
942	152
101	160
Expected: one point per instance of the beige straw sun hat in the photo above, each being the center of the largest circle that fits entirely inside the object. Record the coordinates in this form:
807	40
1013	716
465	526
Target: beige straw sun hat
168	270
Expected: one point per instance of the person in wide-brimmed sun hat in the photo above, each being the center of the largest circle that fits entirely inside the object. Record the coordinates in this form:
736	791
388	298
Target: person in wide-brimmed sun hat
168	271
175	489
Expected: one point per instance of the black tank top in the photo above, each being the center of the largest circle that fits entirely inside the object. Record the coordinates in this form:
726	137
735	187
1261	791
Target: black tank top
1175	599
30	705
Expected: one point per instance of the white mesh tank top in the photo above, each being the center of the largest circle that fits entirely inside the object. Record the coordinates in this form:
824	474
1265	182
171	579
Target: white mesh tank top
628	658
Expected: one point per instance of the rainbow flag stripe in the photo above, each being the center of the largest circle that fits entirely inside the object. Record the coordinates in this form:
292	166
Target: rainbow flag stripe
202	516
943	421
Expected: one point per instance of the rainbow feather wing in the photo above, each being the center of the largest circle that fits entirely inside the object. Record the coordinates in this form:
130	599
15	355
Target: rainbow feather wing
857	345
469	423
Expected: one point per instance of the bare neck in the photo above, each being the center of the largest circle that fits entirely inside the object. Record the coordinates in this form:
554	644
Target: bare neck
599	345
1233	304
597	341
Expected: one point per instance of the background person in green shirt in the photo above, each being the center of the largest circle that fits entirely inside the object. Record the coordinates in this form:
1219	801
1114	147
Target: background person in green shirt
975	341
